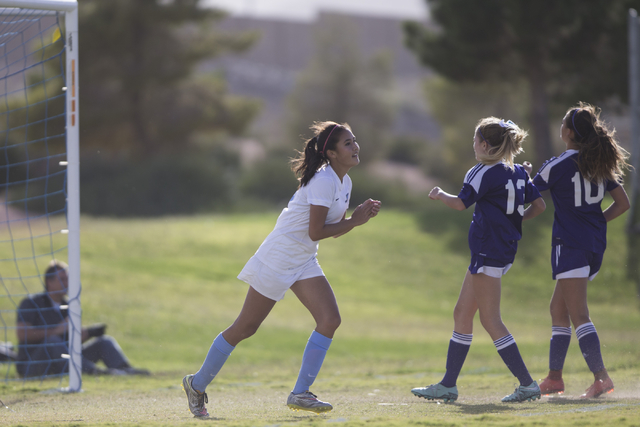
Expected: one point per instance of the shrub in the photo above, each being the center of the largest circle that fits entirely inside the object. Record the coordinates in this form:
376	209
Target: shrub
162	185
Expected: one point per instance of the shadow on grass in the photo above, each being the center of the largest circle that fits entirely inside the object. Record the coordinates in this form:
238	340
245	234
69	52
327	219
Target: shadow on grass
518	409
490	408
571	401
276	421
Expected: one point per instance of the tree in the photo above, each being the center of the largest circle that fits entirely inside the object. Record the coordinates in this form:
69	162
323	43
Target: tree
138	92
340	85
456	107
565	51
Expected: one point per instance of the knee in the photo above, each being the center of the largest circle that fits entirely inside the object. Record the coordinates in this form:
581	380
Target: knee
579	316
558	310
250	331
580	320
104	341
557	314
242	332
462	316
491	322
329	324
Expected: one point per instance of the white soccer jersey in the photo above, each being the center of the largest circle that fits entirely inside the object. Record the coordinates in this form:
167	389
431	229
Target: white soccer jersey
288	247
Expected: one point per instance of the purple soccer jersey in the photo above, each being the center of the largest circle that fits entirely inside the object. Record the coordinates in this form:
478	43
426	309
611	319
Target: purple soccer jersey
578	218
500	195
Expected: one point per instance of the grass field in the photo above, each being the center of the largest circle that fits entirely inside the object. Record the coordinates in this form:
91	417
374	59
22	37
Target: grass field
166	287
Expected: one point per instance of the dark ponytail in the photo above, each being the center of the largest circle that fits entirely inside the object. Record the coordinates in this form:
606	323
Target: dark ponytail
600	155
314	155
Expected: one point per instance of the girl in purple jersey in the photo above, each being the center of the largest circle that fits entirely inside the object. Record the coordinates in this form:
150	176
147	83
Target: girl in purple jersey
577	180
500	189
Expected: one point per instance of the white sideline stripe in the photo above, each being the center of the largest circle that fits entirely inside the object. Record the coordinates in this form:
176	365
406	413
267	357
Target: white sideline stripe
586	409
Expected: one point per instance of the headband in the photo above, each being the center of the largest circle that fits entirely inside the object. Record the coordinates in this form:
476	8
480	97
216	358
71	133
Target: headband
573	121
482	136
327	140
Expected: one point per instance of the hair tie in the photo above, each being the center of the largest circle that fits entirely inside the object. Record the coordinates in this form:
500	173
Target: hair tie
573	121
508	124
327	140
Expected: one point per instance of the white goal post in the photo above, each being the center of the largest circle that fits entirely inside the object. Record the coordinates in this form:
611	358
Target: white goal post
70	10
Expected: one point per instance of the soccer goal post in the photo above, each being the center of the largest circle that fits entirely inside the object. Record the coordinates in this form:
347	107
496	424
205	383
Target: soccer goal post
39	166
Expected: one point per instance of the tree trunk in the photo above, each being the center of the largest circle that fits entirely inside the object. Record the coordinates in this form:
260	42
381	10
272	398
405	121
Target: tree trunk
145	146
539	114
633	270
633	237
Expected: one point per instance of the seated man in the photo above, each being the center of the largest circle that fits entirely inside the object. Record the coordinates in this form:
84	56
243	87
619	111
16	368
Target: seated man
42	330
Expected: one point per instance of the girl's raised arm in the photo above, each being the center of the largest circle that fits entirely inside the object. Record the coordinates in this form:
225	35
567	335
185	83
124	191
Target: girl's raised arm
454	202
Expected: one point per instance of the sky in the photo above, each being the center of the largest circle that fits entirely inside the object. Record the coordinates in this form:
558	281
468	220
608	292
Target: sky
306	10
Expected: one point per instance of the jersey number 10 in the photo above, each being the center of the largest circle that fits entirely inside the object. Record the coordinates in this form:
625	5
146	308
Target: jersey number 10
588	198
511	196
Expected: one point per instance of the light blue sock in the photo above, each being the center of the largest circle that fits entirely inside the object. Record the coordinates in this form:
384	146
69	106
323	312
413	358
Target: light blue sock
217	355
312	359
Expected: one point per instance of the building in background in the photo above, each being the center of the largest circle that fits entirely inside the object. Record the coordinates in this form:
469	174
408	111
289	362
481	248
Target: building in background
269	70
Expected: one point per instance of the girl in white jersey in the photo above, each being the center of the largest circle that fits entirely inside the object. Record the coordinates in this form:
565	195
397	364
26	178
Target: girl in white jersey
500	189
577	179
287	260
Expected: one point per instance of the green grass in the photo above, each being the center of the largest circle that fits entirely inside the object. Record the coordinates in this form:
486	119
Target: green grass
166	287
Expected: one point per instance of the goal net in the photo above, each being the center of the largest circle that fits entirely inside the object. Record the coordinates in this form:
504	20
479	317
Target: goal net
39	188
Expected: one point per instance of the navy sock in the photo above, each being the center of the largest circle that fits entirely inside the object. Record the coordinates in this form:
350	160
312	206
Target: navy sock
590	346
458	349
508	350
560	339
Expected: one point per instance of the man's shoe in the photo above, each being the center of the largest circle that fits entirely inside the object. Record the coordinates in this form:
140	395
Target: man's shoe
136	371
522	393
307	401
196	399
549	386
437	391
598	388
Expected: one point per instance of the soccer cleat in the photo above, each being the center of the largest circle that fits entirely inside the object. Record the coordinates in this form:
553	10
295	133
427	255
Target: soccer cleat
437	391
598	388
549	386
307	401
522	393
196	399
